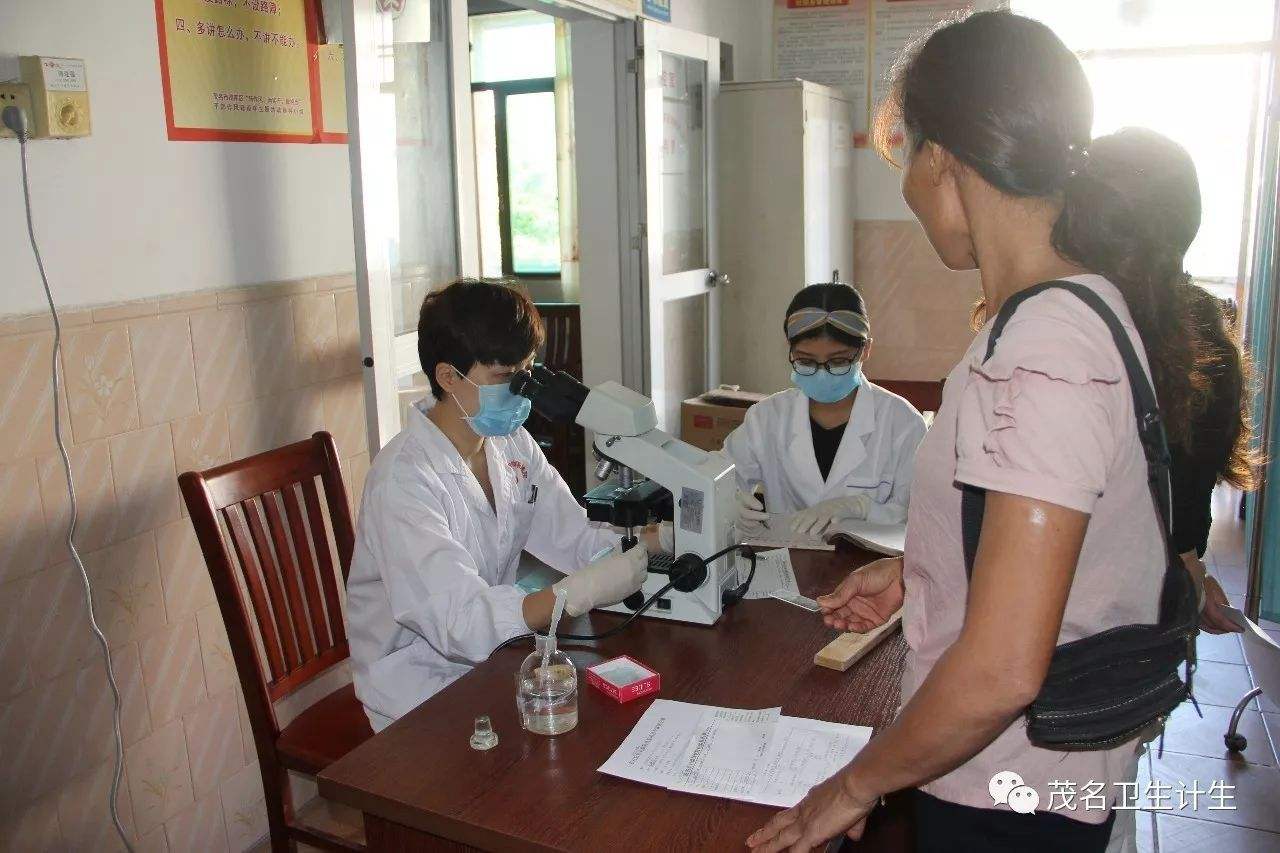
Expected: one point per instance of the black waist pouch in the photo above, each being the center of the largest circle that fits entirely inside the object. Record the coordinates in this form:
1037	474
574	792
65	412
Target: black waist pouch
1106	689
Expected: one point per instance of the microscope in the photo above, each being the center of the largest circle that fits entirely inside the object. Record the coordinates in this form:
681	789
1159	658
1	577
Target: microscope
650	476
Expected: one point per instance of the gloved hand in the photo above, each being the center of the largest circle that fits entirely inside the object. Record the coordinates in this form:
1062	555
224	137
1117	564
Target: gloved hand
751	512
605	581
815	520
666	537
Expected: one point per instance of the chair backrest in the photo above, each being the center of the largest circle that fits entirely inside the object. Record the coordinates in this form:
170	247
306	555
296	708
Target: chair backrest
563	347
925	396
260	518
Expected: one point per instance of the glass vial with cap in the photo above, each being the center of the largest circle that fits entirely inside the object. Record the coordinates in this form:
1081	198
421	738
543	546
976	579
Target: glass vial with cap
484	737
547	692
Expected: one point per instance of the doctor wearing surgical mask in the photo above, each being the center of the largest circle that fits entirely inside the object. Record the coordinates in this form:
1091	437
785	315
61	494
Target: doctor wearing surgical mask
836	447
451	502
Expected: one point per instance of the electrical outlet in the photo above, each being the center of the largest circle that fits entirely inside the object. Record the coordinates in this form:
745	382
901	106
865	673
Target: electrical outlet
15	95
59	96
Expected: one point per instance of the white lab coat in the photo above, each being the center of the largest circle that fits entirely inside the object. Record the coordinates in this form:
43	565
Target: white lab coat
774	446
431	591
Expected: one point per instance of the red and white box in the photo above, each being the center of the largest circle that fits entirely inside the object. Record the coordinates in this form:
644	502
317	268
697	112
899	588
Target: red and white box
623	679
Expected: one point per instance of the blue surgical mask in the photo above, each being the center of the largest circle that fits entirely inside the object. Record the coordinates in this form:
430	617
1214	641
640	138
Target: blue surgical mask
501	412
824	387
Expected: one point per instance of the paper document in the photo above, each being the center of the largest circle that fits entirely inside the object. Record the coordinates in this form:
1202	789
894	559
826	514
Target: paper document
887	539
773	573
1261	652
778	534
752	756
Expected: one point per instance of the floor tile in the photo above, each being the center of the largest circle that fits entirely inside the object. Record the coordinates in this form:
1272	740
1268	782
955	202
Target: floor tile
1222	648
1188	734
1265	702
1187	835
1221	683
1249	792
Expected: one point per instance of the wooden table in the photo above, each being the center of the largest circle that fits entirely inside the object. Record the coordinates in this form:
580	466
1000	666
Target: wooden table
421	786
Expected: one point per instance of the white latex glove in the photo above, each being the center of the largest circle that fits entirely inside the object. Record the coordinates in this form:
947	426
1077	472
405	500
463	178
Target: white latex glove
751	511
667	537
815	520
606	581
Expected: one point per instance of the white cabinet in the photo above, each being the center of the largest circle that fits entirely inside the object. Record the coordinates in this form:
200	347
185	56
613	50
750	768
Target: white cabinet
786	215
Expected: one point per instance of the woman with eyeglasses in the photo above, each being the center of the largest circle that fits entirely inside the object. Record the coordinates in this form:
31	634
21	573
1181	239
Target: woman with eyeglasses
835	447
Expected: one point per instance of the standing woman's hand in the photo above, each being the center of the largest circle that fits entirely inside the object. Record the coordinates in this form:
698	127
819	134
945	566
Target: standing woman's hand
866	598
836	806
1213	600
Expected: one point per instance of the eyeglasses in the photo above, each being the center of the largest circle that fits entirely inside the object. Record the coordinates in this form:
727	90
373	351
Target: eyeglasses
834	366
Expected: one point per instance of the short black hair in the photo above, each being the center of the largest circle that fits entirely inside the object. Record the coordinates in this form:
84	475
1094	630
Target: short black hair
831	296
476	321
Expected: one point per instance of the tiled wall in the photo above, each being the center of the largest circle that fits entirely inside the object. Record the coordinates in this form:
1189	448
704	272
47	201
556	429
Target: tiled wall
919	309
152	389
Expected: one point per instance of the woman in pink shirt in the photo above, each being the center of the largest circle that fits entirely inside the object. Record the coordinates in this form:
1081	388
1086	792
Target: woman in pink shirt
1002	173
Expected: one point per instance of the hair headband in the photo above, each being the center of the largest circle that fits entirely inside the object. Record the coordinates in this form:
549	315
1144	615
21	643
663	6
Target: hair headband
808	319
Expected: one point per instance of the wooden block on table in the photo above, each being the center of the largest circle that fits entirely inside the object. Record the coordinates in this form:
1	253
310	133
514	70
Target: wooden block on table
847	649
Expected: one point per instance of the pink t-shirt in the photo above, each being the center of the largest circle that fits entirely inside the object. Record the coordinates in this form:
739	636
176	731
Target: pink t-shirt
1049	417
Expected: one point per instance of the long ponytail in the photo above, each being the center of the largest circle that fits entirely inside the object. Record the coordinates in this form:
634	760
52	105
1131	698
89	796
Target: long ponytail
1007	99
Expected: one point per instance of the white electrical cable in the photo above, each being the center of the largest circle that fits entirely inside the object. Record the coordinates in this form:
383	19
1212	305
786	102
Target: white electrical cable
71	527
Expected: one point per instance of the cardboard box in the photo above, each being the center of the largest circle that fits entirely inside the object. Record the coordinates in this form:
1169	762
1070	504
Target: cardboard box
707	420
623	679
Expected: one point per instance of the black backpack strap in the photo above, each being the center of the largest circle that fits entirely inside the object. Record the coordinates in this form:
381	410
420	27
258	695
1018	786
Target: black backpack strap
1147	415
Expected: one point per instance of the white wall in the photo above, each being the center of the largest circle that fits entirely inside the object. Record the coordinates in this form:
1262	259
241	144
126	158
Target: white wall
746	24
125	213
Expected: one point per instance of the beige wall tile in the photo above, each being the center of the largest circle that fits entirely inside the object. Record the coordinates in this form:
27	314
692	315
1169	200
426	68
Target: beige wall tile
244	809
54	618
98	519
126	311
33	829
266	291
15	643
35	732
338	281
26	407
201	442
154	841
172	671
349	354
82	810
247	744
358	468
344	415
275	421
273	358
187	303
213	742
128	596
159	777
215	651
163	368
221	349
22	527
63	727
126	662
183	573
200	828
146	481
100	385
315	328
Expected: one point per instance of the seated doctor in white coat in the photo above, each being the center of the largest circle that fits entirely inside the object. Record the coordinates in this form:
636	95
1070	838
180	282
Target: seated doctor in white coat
836	447
450	503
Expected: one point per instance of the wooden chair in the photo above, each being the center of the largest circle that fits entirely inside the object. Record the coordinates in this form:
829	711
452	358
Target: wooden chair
290	629
925	396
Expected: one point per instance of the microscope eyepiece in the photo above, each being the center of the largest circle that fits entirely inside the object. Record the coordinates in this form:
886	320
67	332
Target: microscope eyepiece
555	395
